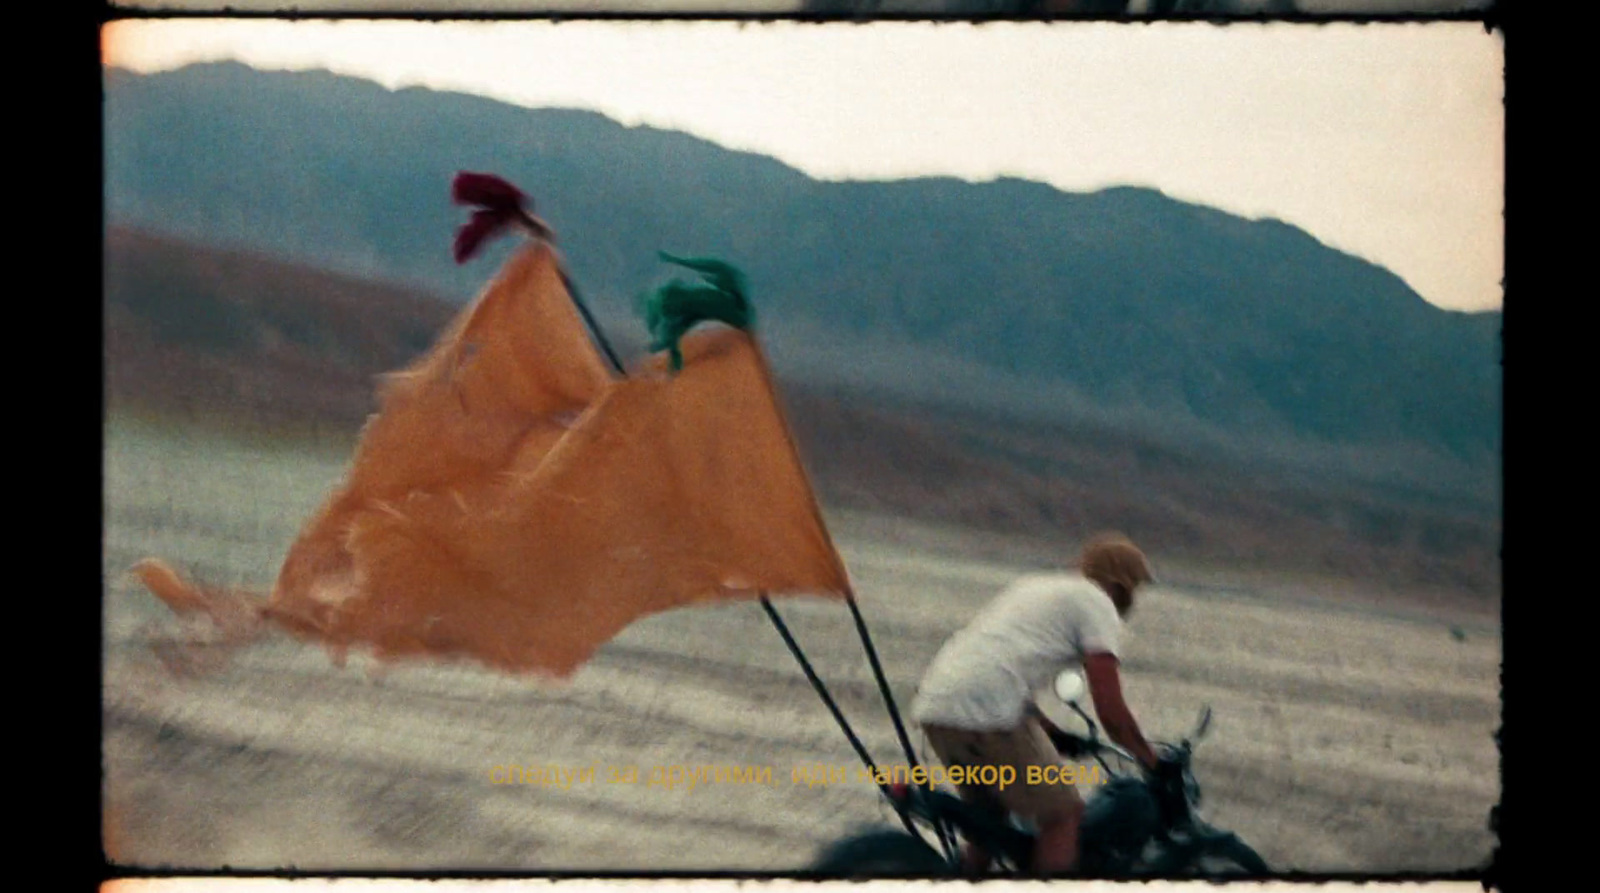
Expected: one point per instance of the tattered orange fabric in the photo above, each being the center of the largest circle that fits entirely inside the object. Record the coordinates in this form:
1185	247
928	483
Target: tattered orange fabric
514	504
669	491
499	388
500	385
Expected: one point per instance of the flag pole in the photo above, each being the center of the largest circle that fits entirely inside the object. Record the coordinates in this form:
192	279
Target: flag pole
850	599
501	203
588	318
766	604
502	206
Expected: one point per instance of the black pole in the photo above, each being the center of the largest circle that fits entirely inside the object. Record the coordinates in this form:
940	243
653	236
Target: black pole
888	699
588	319
777	621
816	683
838	715
883	681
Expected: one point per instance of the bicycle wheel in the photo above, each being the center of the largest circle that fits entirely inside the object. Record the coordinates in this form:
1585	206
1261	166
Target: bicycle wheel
1219	857
1230	855
882	853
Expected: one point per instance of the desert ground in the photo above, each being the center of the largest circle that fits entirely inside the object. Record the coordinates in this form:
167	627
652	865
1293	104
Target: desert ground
1351	733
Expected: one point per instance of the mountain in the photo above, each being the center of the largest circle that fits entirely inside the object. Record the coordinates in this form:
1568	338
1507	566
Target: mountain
1122	306
256	344
202	332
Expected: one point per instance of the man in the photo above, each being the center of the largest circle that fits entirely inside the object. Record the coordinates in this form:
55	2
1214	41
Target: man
976	699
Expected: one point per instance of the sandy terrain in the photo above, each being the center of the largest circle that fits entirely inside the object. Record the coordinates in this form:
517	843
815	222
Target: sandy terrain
1347	736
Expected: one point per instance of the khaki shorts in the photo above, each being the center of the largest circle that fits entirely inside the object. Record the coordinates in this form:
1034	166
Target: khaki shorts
1019	748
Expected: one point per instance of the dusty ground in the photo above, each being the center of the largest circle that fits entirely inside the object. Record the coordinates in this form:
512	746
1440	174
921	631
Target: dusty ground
1350	734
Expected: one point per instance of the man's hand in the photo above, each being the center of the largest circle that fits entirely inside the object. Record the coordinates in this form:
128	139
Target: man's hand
1066	743
1168	772
1105	687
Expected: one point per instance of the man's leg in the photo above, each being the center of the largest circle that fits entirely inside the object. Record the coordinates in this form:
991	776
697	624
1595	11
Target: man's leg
1055	850
956	749
975	860
1054	806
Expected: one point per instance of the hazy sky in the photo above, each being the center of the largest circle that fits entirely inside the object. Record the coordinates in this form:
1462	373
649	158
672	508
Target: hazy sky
1386	141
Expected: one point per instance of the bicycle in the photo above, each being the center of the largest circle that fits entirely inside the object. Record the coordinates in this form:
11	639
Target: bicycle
1135	826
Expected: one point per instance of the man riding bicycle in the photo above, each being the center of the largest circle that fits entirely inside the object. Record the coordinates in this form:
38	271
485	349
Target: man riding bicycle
976	703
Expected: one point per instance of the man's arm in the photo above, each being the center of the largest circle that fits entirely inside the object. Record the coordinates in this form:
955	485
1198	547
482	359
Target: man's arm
1068	744
1050	728
1105	687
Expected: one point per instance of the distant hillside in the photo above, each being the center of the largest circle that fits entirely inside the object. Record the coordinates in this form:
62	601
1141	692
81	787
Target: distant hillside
1119	303
226	337
214	331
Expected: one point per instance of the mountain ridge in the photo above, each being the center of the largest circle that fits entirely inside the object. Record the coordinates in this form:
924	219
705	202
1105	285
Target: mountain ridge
1131	300
248	343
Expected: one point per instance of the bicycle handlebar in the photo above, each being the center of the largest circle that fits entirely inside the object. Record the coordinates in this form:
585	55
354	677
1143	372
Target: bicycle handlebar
1077	746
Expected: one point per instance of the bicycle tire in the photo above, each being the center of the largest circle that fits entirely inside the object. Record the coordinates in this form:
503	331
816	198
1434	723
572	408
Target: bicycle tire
880	853
1232	849
1224	856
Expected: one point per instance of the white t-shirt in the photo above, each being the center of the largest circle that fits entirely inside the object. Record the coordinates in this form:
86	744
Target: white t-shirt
985	675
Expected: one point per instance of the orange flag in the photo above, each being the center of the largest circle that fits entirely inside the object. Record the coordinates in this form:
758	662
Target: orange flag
485	518
499	388
502	382
670	490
